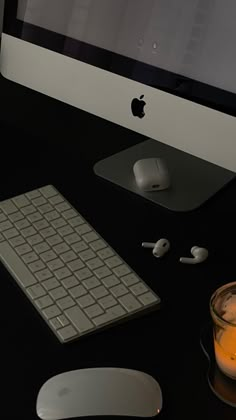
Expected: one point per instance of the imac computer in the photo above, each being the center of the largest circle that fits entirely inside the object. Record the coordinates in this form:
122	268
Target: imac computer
162	68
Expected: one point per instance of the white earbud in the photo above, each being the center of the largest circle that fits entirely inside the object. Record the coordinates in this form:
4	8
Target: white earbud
159	248
199	255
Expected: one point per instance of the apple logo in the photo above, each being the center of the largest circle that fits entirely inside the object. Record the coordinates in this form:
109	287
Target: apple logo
137	107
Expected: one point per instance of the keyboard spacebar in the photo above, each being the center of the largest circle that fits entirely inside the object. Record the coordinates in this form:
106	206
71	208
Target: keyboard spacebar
15	266
79	319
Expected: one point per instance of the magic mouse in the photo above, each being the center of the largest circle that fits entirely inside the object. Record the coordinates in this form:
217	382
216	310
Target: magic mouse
99	391
151	174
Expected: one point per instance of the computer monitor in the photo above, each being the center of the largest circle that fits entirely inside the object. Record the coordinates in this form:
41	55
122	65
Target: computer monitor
162	68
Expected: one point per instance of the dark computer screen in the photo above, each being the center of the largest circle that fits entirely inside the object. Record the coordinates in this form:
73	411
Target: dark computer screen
189	37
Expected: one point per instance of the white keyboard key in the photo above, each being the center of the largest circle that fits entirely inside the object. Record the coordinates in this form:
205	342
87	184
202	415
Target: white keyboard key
41	247
91	283
36	291
39	201
119	290
139	289
22	224
105	253
17	240
129	279
35	239
90	237
129	302
48	191
63	206
72	238
30	257
85	301
36	266
34	217
76	264
2	238
45	208
121	270
58	293
48	256
102	319
43	275
41	224
76	221
43	302
97	245
67	333
94	310
60	248
110	281
33	194
83	274
102	272
21	201
111	314
68	256
3	217
55	199
65	230
79	246
29	231
87	255
116	311
54	240
82	229
5	226
49	231
95	263
28	210
69	282
51	312
107	301
113	262
65	302
23	249
51	284
62	273
148	298
63	320
8	207
79	319
55	323
99	292
10	233
14	217
68	214
55	264
57	223
52	215
77	291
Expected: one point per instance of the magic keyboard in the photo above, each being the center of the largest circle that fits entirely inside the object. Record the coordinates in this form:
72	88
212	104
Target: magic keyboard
69	273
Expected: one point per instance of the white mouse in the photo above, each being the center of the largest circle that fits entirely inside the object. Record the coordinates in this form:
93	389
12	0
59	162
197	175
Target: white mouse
151	174
99	391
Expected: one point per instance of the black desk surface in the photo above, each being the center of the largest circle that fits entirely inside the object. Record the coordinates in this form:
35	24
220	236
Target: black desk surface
47	142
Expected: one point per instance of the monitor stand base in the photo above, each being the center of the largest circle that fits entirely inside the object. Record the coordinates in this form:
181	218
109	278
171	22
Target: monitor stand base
193	180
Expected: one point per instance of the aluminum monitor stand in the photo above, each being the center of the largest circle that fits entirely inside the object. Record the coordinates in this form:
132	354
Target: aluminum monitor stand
193	180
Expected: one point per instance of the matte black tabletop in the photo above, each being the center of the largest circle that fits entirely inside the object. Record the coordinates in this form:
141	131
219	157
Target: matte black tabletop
47	142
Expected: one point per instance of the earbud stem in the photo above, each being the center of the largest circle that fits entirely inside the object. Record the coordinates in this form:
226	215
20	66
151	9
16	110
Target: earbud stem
148	244
188	260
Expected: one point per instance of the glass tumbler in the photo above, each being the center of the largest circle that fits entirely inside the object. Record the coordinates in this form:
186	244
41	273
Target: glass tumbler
223	313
